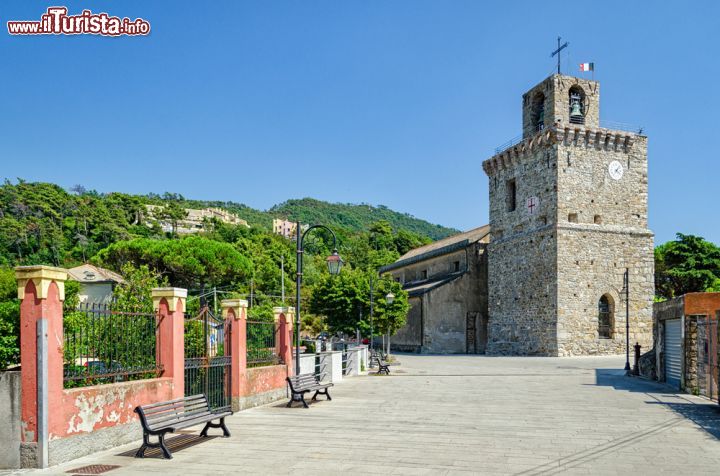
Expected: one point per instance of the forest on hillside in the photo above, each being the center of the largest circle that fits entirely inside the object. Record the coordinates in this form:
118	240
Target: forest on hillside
41	223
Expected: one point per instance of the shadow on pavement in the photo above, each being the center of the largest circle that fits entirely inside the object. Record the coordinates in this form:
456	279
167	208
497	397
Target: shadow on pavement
706	415
175	444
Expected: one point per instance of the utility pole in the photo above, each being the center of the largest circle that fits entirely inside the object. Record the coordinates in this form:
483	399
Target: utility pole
282	276
252	289
215	300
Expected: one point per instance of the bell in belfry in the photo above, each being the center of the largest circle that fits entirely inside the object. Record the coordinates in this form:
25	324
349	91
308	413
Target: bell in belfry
576	109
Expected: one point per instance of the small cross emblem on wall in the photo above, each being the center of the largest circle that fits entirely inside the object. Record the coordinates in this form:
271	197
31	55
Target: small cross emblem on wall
533	205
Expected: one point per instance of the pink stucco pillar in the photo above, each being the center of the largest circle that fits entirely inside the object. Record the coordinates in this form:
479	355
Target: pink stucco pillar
235	313
42	291
169	303
284	343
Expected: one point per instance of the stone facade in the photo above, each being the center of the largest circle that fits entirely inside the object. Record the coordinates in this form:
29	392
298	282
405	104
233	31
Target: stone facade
699	314
568	213
447	284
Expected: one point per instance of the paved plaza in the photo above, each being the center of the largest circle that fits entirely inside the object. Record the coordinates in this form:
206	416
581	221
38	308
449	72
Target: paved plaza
461	415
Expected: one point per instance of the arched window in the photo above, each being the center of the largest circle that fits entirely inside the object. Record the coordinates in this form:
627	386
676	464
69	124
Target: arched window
605	317
577	105
538	109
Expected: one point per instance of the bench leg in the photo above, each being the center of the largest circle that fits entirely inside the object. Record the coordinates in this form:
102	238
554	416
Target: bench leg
160	444
165	450
297	397
210	424
146	443
322	392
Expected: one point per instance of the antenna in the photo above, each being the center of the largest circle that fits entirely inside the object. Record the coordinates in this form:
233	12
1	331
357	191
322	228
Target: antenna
558	50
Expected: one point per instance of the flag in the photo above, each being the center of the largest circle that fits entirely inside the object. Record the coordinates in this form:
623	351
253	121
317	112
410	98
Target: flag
587	66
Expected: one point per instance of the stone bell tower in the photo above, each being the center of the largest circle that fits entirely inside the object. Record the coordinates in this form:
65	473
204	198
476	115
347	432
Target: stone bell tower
568	216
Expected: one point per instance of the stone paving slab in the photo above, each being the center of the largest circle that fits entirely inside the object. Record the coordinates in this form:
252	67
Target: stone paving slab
462	415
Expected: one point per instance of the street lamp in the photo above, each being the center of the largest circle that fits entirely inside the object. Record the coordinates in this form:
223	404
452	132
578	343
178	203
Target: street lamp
334	264
626	288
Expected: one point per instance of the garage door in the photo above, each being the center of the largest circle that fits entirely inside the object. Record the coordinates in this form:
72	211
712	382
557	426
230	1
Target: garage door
673	352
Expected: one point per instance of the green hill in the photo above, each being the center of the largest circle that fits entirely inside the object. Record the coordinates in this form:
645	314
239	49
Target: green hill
356	217
43	223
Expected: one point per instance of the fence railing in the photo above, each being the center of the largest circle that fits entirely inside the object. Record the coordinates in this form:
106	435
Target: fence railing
103	345
261	348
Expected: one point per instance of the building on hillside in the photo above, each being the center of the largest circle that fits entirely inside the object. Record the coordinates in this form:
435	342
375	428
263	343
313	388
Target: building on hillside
447	284
568	217
284	227
686	342
96	284
194	222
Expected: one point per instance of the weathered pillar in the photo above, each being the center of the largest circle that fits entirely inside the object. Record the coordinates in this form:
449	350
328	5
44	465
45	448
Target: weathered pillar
169	303
284	343
235	313
42	291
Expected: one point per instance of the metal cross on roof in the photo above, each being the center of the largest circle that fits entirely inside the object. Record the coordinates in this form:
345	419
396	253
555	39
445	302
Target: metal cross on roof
558	50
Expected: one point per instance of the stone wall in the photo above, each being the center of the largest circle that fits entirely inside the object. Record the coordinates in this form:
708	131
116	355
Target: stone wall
408	337
690	355
9	420
592	264
522	294
261	385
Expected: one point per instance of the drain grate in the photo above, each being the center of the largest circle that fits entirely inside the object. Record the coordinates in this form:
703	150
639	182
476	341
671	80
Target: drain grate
94	469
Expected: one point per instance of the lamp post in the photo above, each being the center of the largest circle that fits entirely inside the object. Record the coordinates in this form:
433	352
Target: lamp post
626	288
334	264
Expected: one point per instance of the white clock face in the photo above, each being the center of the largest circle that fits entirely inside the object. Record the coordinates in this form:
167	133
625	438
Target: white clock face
616	170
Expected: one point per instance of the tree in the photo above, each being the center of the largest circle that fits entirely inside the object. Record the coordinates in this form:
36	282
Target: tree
345	301
189	262
341	299
688	264
390	317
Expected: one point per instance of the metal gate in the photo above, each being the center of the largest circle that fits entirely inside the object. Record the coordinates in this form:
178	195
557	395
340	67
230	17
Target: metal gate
207	358
471	333
673	352
707	366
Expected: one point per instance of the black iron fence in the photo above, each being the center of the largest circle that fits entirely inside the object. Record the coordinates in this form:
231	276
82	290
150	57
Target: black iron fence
261	348
104	345
207	358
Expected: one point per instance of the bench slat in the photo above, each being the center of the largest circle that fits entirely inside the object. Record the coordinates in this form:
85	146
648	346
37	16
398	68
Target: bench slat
175	406
178	409
178	416
176	421
168	402
199	420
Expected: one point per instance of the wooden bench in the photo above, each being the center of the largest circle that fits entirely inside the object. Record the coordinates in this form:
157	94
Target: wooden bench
383	365
304	383
166	417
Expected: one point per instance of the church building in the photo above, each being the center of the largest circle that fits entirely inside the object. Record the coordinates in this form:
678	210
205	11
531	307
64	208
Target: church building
568	232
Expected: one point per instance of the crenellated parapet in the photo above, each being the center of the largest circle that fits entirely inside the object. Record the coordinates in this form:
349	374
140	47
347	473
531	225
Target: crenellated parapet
578	136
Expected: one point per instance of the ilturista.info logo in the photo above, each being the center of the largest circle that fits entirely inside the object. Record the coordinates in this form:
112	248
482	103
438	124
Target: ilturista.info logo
56	21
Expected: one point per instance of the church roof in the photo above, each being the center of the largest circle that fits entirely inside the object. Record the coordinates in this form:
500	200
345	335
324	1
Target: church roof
441	247
418	289
87	273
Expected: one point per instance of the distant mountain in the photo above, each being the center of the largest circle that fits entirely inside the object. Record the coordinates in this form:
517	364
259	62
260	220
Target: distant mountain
355	217
351	217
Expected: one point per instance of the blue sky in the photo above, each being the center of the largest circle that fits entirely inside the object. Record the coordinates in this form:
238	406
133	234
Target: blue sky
382	102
